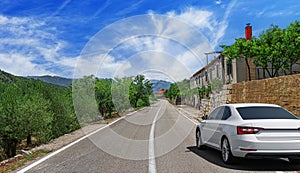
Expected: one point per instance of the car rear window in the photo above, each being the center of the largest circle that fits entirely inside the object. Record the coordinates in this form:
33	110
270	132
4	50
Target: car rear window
264	112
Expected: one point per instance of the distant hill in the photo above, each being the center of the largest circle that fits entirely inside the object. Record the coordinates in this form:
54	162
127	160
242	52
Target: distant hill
12	79
6	77
56	80
160	84
61	81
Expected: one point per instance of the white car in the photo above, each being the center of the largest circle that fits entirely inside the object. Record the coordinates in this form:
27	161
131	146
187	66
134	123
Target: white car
251	130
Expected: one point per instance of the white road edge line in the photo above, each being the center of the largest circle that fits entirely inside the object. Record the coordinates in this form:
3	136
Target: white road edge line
69	145
186	116
152	163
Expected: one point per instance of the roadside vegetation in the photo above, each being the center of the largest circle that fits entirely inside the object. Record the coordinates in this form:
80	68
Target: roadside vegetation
33	112
182	90
14	163
112	96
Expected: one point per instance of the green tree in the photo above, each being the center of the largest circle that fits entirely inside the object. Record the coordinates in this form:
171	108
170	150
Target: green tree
104	97
120	93
11	129
291	40
172	92
36	117
64	117
241	48
31	108
269	51
140	89
85	104
22	115
275	50
60	103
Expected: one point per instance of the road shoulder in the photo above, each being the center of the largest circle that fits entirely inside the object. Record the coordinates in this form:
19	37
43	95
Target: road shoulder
190	112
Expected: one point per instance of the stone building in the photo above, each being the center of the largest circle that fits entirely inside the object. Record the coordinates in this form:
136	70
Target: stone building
220	69
227	75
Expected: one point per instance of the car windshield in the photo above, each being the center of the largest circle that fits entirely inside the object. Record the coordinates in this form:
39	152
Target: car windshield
264	112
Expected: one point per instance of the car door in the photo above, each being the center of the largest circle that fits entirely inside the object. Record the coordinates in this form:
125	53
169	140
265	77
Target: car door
221	124
208	127
216	127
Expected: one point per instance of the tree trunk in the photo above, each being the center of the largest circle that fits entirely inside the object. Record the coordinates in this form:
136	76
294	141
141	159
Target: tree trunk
28	141
10	147
102	112
269	73
248	67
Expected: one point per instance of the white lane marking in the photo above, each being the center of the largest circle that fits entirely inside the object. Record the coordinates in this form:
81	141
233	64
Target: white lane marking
186	116
152	163
69	145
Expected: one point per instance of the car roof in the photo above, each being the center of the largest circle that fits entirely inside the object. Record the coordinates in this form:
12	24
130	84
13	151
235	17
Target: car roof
237	105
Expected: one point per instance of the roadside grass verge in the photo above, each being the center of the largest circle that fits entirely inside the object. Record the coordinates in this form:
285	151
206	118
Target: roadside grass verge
17	162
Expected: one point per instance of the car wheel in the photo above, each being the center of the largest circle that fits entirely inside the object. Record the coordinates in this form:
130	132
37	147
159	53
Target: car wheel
199	142
294	160
227	156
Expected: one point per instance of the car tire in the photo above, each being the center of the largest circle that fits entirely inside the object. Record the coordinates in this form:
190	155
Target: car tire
294	160
226	154
199	143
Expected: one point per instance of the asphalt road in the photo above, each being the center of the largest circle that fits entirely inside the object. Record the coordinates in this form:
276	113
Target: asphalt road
155	139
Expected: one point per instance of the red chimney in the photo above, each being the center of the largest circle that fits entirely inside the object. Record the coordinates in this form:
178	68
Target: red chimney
248	31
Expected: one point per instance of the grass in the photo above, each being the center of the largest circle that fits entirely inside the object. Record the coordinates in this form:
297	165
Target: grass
9	167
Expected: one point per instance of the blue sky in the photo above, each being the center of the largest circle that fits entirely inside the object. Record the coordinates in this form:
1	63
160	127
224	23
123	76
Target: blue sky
56	37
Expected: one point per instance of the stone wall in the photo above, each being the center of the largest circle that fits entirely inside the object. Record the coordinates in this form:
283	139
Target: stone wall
283	91
217	98
207	105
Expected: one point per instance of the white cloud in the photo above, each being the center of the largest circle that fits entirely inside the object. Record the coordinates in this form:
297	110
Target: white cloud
206	22
64	4
103	65
13	20
172	35
131	8
35	44
109	67
154	65
20	65
218	2
199	18
30	41
202	20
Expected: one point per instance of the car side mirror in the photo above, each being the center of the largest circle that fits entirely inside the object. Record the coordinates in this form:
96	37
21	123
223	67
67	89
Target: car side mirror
205	117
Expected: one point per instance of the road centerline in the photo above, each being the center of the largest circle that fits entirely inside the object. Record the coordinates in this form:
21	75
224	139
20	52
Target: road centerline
152	163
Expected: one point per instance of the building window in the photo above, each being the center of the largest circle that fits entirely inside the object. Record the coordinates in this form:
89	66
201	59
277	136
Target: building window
229	68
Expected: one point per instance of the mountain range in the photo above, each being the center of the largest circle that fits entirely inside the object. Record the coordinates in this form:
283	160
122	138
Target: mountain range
56	80
160	84
61	81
